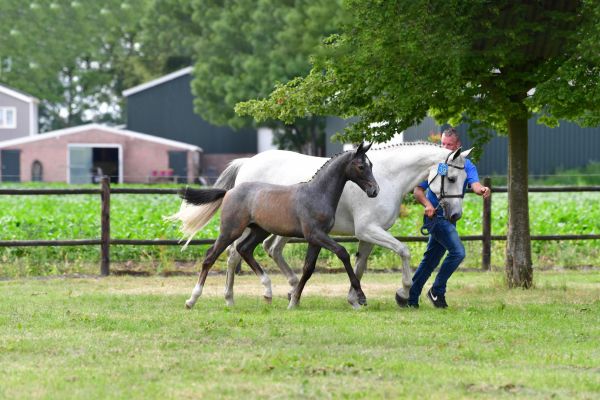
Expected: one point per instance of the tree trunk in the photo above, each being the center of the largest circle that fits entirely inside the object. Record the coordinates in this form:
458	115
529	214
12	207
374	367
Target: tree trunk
519	272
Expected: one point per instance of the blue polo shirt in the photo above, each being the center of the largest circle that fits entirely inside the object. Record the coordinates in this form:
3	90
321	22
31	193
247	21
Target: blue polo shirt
472	177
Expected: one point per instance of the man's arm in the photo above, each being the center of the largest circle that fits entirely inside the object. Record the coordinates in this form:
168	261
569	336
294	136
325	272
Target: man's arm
419	194
480	190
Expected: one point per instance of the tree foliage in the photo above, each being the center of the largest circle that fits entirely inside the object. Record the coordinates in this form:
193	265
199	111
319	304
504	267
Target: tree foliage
240	49
75	56
489	64
462	61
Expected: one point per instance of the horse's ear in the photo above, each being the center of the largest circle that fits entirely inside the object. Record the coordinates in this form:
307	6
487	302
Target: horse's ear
466	153
362	148
454	155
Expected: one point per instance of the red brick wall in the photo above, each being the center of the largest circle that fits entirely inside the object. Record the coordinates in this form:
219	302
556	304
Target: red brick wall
139	156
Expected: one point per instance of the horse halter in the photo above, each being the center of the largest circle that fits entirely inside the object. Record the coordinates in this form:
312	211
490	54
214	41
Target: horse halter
429	224
443	172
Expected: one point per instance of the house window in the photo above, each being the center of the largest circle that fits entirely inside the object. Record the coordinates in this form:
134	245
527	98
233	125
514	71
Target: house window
8	117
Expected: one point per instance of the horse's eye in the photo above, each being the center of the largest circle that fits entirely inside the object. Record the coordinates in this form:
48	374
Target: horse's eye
452	179
361	167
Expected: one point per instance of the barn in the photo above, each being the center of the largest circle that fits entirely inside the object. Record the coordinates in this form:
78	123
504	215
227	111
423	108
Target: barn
84	153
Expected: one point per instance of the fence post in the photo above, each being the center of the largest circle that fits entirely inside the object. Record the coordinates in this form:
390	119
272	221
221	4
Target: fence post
486	248
105	227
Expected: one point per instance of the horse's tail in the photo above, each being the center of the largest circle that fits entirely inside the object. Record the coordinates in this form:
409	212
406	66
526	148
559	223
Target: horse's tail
227	178
197	208
200	197
199	205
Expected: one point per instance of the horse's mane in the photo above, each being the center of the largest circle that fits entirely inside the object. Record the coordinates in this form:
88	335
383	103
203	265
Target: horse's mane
388	147
335	156
406	144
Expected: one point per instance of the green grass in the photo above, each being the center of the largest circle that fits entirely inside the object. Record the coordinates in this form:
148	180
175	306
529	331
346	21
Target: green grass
131	338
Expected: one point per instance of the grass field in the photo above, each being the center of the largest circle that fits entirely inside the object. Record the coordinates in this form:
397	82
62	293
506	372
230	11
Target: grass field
126	337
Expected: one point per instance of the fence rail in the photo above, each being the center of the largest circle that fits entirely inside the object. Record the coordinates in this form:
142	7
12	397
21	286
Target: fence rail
106	241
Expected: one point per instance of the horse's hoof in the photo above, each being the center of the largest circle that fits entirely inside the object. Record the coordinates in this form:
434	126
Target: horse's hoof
401	301
362	300
268	300
354	304
188	305
229	303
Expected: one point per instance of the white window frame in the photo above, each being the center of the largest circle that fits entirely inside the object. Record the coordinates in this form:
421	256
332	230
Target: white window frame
109	145
4	111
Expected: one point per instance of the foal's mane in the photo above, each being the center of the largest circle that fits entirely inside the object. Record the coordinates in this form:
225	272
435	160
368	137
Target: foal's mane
335	156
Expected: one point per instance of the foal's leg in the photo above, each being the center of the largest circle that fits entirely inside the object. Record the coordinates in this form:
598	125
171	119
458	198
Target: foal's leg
233	261
321	239
362	255
274	247
309	267
379	236
212	254
246	250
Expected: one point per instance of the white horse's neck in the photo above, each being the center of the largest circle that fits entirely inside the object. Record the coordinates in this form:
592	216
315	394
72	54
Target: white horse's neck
407	164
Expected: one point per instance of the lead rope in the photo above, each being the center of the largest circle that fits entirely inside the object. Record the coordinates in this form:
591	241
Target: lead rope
429	223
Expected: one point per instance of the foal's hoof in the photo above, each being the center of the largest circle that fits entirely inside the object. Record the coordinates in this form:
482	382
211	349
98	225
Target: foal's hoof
354	304
188	305
268	300
401	301
362	299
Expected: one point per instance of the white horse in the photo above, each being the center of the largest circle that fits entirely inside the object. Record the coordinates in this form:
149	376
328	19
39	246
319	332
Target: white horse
397	169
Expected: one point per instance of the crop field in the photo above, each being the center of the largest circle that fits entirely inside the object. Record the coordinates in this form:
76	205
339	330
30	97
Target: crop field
140	217
130	337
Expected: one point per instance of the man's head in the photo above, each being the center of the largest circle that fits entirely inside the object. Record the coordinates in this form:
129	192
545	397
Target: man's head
450	139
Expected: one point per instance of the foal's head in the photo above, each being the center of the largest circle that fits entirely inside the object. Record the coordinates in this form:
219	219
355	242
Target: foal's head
359	171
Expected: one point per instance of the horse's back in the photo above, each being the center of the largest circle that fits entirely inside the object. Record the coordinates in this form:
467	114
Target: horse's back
270	206
279	167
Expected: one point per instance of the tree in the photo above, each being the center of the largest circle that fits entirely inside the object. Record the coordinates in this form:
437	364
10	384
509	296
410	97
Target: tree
489	64
75	56
240	49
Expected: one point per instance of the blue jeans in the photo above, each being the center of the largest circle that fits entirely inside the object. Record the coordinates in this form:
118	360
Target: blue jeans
442	237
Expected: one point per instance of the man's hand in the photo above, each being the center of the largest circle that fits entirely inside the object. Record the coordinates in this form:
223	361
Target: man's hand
481	190
429	210
485	192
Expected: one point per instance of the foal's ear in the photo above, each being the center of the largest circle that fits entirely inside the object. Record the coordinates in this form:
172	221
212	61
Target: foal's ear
362	148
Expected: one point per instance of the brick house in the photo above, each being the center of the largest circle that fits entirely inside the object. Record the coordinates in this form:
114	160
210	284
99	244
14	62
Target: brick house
164	107
81	154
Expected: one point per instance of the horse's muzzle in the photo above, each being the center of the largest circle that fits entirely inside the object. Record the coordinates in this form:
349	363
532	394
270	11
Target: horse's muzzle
372	190
455	217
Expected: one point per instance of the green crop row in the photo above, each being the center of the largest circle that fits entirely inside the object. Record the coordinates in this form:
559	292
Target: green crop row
133	216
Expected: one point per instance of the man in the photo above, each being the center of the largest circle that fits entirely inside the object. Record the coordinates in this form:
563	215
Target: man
443	236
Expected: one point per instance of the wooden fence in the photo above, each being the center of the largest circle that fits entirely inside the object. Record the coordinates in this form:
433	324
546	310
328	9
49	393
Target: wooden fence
106	241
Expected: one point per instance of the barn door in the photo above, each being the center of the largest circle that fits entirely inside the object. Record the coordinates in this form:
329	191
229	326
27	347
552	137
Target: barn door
11	165
178	163
80	164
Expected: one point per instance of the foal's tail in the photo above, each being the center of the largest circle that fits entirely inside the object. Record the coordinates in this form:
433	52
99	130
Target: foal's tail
199	205
200	197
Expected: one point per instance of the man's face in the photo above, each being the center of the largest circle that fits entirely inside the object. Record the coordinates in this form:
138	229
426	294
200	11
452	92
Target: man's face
450	142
